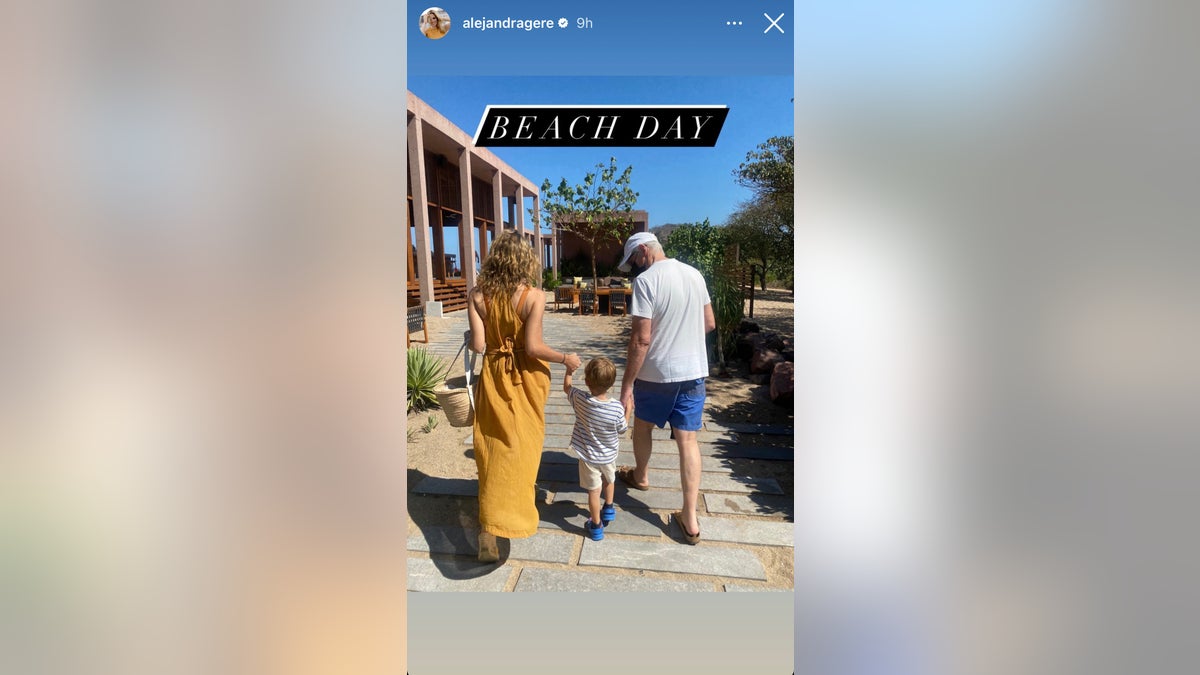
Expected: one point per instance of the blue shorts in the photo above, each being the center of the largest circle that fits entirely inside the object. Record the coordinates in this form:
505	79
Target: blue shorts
680	403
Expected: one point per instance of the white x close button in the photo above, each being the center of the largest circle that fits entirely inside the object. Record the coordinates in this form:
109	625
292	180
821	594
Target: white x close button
774	23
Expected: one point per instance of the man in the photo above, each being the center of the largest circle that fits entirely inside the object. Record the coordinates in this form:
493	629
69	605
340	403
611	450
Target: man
666	365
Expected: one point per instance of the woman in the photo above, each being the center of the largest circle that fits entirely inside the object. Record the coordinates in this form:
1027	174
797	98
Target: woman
505	315
433	25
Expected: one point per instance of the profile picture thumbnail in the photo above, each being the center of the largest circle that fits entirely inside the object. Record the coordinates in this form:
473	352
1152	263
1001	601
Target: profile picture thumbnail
435	23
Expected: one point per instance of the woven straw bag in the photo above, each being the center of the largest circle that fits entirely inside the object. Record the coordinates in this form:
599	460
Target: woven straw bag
458	402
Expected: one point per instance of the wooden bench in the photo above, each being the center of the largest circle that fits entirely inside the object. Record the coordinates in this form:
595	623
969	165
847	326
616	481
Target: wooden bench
416	323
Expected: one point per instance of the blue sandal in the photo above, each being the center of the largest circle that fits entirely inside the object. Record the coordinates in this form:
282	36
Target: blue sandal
608	513
595	532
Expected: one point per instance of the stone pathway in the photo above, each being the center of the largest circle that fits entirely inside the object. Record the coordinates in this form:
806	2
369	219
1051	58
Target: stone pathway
745	514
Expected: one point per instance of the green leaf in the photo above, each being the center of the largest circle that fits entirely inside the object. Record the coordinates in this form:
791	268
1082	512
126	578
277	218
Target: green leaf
425	373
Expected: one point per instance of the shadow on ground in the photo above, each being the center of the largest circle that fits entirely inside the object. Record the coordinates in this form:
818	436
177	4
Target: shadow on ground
453	549
569	516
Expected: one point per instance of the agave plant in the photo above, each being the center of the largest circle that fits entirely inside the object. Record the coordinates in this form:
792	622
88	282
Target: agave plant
425	372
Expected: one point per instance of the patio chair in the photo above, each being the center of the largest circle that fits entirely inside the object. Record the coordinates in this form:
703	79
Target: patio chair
587	301
416	324
564	294
616	301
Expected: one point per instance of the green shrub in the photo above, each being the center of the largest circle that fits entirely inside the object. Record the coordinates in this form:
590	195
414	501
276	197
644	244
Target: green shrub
728	310
549	281
707	248
425	372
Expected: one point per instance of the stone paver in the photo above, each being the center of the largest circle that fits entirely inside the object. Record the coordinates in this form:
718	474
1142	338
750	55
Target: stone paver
755	505
632	499
542	547
744	588
658	460
668	448
424	575
714	482
545	580
458	487
568	517
642	538
558	472
670	462
756	532
764	452
560	412
565	428
673	557
749	428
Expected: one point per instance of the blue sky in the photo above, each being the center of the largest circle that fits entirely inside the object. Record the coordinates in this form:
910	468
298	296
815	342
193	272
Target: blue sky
675	184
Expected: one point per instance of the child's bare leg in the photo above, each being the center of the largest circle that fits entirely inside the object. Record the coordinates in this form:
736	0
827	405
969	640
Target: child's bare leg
594	505
608	491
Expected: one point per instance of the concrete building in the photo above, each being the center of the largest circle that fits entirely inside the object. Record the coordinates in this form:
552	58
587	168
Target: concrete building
470	196
572	248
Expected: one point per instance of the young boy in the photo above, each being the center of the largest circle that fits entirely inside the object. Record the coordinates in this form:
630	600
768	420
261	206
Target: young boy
599	422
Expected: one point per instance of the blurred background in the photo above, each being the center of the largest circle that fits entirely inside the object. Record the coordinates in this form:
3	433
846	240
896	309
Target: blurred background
201	458
997	235
202	394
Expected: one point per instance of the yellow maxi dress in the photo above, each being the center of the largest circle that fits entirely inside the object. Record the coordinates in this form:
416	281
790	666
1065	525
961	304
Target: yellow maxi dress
510	424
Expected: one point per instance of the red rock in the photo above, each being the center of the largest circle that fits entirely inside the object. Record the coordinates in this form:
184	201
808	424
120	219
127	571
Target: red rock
764	360
783	382
748	345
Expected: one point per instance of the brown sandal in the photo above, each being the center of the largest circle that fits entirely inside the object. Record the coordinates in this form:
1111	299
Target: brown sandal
625	473
691	539
488	552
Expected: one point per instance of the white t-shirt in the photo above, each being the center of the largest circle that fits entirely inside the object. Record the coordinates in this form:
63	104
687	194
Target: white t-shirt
672	295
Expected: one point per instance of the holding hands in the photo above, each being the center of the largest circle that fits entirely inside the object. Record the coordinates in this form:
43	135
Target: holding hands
572	362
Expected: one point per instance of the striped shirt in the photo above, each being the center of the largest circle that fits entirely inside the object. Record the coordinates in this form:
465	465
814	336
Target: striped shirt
598	425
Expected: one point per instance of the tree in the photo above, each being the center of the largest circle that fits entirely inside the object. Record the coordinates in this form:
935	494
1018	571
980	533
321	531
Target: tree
764	239
700	245
596	210
707	248
770	171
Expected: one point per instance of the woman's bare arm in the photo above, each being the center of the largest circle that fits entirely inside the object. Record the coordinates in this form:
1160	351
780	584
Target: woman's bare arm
475	322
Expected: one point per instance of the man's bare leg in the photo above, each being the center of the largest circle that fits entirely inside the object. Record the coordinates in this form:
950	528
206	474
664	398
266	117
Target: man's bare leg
642	446
689	477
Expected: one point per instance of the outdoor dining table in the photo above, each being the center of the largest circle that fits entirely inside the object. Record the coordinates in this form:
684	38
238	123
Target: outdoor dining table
602	292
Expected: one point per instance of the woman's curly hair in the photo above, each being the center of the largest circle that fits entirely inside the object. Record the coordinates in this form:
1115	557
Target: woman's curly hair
510	262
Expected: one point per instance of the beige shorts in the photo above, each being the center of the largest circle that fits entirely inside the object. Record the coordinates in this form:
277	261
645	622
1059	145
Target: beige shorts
589	474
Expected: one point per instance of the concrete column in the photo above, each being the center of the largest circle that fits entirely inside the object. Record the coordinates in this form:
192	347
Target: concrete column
498	202
466	229
519	199
537	224
554	246
416	168
537	208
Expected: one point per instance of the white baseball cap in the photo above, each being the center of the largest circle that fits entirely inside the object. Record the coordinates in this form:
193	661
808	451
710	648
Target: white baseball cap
634	241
